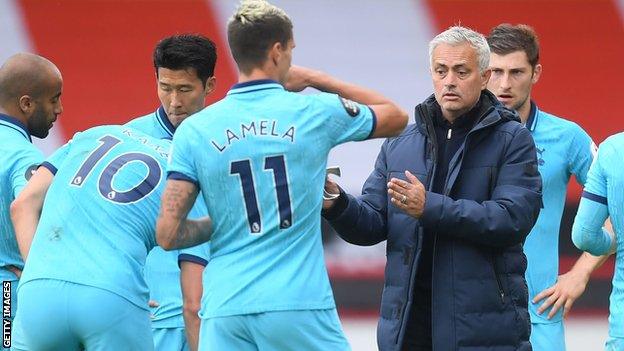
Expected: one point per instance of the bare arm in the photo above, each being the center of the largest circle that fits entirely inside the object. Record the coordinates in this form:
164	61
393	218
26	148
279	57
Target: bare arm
173	229
391	119
192	289
569	286
26	209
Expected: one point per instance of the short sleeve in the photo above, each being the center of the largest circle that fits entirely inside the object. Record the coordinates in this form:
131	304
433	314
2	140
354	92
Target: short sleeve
596	184
581	154
346	120
181	164
54	161
199	254
25	164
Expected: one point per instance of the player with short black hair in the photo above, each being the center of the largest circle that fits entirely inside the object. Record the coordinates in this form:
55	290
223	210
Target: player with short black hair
184	66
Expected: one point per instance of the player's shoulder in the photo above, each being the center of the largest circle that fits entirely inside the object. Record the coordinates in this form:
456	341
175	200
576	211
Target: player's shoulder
560	123
615	142
140	121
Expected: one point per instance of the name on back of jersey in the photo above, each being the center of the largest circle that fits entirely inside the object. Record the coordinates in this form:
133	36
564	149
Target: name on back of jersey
261	128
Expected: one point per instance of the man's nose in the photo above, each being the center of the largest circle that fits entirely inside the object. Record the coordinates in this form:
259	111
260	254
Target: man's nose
450	80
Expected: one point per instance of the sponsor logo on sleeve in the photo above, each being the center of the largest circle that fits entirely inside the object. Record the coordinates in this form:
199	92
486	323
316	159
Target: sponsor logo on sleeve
30	171
351	107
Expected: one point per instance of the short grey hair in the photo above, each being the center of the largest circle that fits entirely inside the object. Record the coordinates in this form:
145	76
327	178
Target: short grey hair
458	35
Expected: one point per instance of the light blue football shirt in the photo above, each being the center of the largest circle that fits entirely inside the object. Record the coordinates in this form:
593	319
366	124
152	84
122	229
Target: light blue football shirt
98	219
18	159
161	268
563	149
259	157
156	124
604	196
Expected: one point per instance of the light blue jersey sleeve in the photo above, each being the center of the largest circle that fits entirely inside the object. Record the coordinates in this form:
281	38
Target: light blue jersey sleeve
587	232
26	162
181	164
54	161
580	154
346	120
199	254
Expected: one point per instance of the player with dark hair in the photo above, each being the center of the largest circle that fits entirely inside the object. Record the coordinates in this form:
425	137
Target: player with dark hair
184	67
563	149
259	157
30	102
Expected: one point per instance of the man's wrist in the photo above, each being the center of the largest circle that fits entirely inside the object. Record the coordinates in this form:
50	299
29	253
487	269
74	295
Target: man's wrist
338	207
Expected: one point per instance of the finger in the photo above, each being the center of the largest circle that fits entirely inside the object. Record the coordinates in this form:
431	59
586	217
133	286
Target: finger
567	307
400	183
543	294
394	195
397	188
412	178
555	308
153	303
547	303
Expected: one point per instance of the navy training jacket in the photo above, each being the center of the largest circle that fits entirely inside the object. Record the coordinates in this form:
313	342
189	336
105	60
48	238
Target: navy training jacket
491	200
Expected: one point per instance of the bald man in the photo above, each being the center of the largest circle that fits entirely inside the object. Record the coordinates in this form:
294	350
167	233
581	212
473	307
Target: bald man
30	101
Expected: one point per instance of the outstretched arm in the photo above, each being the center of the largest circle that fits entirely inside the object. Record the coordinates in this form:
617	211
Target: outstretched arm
391	119
26	209
173	229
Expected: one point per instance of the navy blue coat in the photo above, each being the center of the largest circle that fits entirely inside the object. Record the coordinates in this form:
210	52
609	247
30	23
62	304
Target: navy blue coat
491	200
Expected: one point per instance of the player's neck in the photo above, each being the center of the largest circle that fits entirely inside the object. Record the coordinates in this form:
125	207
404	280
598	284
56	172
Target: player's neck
257	74
525	110
17	116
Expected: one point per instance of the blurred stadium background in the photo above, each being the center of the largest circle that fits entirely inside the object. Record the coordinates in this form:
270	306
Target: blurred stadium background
103	48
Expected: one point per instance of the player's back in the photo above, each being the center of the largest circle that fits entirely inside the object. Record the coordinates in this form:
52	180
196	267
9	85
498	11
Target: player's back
98	218
260	156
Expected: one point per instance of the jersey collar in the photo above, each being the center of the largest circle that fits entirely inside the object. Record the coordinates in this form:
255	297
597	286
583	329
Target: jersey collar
531	122
13	123
163	120
255	85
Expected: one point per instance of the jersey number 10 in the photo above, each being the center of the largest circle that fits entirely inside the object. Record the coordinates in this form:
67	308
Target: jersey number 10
105	183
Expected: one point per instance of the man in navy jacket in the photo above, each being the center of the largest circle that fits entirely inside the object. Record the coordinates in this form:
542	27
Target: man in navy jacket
455	196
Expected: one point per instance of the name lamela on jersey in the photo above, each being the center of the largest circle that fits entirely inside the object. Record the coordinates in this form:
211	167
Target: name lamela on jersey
263	128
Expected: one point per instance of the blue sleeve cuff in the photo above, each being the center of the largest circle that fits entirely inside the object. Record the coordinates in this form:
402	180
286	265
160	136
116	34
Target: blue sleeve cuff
370	135
594	197
181	176
433	209
49	166
192	258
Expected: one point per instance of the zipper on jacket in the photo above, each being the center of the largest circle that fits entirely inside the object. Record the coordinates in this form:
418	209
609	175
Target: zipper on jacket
501	292
434	151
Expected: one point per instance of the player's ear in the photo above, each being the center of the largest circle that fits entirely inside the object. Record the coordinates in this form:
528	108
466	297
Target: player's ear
26	104
211	84
275	53
537	72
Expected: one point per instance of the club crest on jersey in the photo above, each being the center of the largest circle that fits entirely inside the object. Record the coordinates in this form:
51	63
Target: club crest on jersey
351	107
30	171
540	159
261	128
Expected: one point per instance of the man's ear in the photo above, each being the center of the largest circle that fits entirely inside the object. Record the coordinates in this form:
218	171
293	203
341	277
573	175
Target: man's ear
276	52
537	72
211	84
485	78
26	104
